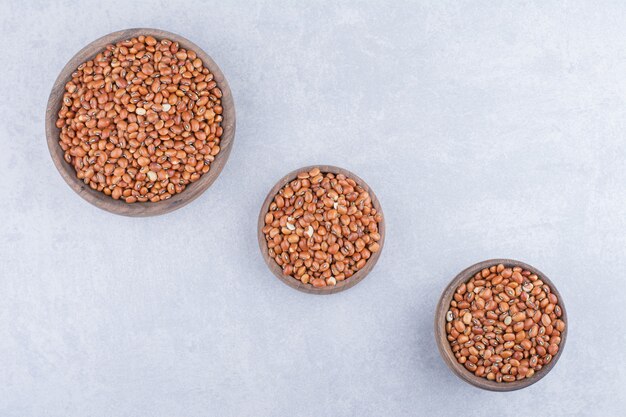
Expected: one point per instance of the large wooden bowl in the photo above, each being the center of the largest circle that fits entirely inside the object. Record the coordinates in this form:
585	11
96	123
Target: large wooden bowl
291	281
99	199
444	345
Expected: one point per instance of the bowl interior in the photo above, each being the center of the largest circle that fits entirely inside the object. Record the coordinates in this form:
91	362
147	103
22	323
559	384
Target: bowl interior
446	351
99	199
292	282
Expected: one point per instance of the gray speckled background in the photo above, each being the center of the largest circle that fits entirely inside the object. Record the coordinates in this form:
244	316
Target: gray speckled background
487	129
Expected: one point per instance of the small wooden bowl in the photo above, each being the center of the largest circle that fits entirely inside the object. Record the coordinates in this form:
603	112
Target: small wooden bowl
291	281
99	199
444	345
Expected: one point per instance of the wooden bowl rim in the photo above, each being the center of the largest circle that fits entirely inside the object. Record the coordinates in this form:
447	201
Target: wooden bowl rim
99	199
444	347
292	282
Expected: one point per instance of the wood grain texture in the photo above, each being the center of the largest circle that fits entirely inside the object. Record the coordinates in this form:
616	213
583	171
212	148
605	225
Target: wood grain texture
294	283
99	199
444	346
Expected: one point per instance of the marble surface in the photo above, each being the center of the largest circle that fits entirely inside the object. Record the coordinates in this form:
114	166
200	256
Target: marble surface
487	129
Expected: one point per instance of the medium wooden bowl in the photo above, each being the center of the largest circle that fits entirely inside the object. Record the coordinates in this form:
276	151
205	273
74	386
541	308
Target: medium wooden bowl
444	345
99	199
289	280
